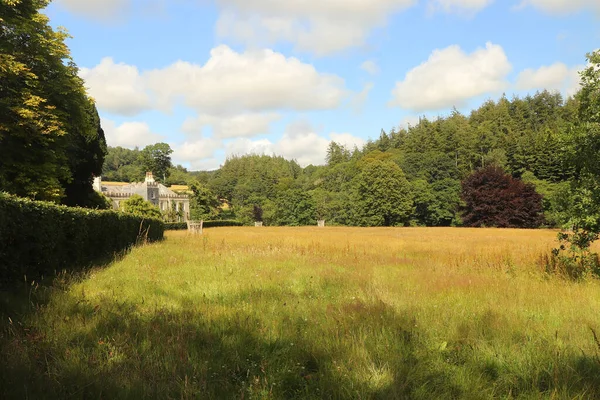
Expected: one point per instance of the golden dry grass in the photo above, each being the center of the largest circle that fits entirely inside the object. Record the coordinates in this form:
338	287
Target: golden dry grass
320	312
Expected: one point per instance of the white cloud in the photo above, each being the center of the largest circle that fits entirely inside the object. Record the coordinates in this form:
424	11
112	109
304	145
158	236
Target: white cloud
359	100
117	88
468	7
319	26
96	9
243	146
299	142
242	125
370	66
553	77
198	153
450	77
408	121
228	83
129	134
561	7
348	140
255	80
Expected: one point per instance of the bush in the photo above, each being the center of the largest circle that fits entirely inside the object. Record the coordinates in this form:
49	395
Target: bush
175	226
220	223
39	238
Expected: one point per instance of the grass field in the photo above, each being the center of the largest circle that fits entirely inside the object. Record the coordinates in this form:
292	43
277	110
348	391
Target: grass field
351	313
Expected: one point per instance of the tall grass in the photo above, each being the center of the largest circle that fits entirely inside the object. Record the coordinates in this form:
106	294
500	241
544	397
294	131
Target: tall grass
312	313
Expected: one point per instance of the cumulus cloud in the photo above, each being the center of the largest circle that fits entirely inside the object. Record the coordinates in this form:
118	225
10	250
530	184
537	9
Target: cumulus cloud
359	100
409	120
459	6
228	83
242	125
370	66
129	134
561	7
96	9
116	87
319	26
552	77
299	142
255	80
199	154
450	77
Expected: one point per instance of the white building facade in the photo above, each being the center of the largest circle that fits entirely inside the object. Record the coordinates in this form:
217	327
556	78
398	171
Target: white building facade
156	193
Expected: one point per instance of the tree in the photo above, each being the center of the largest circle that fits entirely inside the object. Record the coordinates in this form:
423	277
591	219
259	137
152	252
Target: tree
136	205
50	137
584	213
493	198
204	203
382	195
294	207
156	158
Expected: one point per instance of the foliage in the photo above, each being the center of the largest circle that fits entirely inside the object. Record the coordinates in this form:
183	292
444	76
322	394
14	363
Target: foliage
136	205
51	142
543	138
39	238
575	254
203	203
495	199
175	226
382	195
293	207
221	223
156	158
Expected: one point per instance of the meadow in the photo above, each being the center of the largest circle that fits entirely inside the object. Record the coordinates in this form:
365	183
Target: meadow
341	313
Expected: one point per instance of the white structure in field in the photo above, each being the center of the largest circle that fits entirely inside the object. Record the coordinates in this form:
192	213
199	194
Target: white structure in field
150	190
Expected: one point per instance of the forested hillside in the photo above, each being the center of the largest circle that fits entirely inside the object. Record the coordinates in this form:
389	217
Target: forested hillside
405	177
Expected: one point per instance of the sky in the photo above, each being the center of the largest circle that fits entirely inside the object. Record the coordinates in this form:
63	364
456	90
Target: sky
218	78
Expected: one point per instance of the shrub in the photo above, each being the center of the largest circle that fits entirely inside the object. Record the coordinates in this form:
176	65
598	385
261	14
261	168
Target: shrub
220	223
39	238
175	226
136	205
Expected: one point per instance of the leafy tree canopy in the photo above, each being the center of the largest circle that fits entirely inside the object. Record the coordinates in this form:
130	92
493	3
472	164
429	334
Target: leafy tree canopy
494	198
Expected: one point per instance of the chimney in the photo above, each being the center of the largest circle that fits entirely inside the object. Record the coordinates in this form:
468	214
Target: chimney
149	177
98	184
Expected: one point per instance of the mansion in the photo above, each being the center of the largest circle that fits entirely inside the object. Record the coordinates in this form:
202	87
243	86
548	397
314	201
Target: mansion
156	193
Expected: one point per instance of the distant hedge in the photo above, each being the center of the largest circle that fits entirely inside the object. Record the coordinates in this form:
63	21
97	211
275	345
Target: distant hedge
175	226
178	226
225	222
39	238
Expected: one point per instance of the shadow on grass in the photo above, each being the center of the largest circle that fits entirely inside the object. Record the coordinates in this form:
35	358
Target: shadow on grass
113	350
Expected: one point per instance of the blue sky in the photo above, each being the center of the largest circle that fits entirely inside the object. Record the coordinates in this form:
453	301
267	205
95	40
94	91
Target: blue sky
219	77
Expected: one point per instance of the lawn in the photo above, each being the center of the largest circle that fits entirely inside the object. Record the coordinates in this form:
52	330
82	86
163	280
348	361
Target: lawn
351	313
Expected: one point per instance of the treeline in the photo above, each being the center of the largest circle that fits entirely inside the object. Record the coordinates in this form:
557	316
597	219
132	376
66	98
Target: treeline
51	142
407	176
130	165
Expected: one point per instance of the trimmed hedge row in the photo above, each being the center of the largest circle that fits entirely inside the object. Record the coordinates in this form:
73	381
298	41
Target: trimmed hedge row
178	226
175	226
225	222
39	238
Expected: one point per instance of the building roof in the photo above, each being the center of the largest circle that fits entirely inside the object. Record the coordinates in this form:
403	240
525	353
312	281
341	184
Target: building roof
136	188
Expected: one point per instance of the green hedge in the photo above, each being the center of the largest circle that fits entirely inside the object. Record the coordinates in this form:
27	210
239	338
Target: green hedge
175	226
225	222
39	238
178	226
